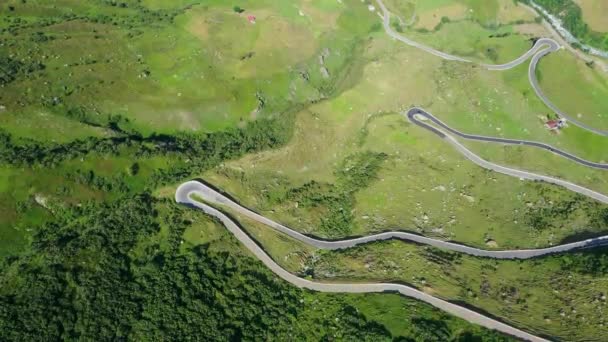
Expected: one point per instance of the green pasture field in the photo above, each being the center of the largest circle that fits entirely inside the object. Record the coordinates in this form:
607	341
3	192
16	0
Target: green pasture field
182	58
542	295
482	11
431	190
504	104
535	160
481	30
205	70
469	40
424	185
576	88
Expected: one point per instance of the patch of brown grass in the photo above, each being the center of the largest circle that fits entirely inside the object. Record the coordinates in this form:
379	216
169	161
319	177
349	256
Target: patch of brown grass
594	13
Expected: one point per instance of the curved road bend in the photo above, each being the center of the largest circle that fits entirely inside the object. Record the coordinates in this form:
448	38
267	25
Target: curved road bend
509	171
183	196
538	46
386	21
534	82
208	194
413	113
541	48
187	189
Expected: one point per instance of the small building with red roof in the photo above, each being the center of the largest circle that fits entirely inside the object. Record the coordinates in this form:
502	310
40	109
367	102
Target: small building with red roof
555	124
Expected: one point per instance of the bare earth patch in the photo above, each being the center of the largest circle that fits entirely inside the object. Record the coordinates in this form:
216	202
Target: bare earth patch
536	30
187	120
200	28
510	12
429	19
594	13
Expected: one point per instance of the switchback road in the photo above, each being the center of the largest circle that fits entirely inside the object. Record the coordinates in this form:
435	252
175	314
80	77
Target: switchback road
418	112
186	190
541	48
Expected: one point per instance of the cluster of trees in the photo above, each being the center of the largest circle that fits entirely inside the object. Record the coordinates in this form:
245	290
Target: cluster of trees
27	152
83	280
11	69
572	18
203	150
118	13
593	262
210	150
103	272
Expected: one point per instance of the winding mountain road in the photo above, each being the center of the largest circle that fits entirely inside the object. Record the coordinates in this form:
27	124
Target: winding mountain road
418	112
186	190
537	89
542	47
415	112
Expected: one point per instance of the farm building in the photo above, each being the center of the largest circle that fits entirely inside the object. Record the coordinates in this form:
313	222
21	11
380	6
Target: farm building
555	124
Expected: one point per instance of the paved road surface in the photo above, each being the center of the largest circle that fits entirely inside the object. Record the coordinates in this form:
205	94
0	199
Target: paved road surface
534	82
499	168
212	196
418	112
195	188
186	190
541	48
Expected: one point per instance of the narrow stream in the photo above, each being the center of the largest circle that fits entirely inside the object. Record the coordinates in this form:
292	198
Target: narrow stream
557	23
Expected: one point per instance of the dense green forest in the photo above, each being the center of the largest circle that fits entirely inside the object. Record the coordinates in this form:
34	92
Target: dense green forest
571	16
118	271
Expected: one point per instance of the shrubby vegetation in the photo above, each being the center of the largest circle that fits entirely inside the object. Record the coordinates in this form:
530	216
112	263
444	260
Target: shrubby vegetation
126	14
357	171
337	200
11	69
203	151
593	262
547	215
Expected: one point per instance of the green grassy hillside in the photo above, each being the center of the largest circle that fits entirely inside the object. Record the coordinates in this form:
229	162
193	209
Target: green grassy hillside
106	106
